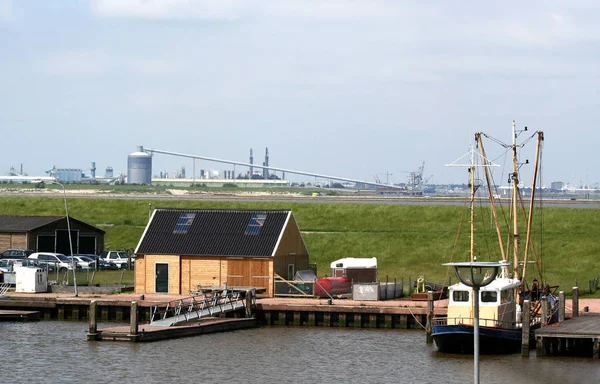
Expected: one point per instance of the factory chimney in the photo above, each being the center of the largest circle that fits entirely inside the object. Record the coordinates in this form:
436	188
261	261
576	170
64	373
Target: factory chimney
266	165
251	162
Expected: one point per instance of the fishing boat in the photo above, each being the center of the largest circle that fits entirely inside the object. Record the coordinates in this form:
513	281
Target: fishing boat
500	303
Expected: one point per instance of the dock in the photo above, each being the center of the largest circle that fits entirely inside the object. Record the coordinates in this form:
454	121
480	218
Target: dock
579	336
15	315
147	332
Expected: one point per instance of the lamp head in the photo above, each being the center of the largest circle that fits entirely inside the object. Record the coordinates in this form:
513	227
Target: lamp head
476	274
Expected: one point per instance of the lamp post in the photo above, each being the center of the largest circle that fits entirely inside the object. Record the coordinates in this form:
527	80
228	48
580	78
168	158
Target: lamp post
70	241
476	275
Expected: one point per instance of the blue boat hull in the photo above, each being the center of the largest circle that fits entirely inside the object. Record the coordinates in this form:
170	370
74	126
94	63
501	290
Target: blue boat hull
459	339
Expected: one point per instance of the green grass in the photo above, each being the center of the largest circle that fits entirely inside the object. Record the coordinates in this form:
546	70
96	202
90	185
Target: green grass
408	240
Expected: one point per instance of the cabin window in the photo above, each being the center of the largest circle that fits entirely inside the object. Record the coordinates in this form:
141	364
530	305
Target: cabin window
256	223
489	296
460	296
184	222
290	272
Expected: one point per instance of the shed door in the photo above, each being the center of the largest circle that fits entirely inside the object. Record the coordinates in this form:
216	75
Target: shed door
238	273
259	273
161	278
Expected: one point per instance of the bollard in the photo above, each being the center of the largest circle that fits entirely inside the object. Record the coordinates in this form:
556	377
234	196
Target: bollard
545	311
526	318
429	323
575	304
561	307
93	325
133	321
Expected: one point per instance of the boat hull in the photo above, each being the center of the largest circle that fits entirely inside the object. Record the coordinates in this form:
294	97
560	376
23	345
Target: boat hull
459	339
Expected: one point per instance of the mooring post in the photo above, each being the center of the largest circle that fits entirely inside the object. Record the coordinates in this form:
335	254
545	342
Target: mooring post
561	306
248	303
429	323
544	301
93	325
133	321
575	304
526	321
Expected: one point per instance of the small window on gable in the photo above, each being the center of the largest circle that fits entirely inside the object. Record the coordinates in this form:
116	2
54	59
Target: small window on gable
255	224
184	222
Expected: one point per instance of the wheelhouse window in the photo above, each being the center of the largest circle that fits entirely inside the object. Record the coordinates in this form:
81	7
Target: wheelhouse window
184	222
460	296
257	221
489	296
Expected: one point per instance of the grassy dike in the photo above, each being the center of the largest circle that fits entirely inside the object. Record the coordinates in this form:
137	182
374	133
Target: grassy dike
408	240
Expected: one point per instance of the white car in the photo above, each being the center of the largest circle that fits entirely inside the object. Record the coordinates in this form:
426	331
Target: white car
84	261
120	258
58	260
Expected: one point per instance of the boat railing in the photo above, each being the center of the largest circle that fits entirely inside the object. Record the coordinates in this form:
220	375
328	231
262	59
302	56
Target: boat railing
483	322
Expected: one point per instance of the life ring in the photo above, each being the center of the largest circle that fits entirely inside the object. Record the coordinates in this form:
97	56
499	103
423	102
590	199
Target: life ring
420	284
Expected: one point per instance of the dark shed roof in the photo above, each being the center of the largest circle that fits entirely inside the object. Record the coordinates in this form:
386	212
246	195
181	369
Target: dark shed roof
9	223
17	224
213	232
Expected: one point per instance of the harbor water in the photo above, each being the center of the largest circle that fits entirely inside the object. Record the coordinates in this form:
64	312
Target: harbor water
57	351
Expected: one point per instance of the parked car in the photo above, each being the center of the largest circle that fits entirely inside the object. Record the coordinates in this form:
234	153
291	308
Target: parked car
16	254
84	261
120	258
103	265
58	260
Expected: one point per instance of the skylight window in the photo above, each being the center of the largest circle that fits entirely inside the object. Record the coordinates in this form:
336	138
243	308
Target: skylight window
184	222
255	224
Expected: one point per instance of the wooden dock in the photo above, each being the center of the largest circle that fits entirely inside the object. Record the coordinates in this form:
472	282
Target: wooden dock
148	332
13	315
579	336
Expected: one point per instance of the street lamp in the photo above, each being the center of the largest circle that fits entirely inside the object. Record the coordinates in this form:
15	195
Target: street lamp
69	230
476	274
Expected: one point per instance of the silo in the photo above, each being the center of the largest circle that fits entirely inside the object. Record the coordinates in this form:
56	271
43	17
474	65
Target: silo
139	167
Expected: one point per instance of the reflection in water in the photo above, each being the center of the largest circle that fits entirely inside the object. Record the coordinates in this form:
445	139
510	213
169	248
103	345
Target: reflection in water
53	351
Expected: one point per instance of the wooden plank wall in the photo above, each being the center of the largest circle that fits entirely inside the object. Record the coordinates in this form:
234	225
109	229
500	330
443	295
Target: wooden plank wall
186	273
13	241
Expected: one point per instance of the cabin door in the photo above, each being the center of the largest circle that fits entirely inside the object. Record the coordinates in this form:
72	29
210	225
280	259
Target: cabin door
161	278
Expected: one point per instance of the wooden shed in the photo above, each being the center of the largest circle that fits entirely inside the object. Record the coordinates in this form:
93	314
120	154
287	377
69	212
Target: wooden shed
182	249
49	234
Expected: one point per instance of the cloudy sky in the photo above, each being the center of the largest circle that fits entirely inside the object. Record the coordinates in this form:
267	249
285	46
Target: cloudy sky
347	88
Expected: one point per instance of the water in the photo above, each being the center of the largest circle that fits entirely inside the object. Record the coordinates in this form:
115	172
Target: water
57	351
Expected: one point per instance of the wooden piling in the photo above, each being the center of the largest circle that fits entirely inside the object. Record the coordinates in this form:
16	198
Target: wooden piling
93	321
133	321
575	304
429	322
561	306
544	301
526	321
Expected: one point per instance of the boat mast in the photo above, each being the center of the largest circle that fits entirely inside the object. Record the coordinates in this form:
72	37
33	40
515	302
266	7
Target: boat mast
531	202
490	191
472	184
515	195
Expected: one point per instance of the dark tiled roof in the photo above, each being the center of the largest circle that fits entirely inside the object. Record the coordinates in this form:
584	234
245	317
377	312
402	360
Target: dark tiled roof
10	223
213	232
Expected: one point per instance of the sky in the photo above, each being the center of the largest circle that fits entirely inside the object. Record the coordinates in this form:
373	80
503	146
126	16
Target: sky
358	89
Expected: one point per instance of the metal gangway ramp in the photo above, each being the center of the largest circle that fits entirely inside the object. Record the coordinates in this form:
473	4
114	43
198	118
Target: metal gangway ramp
208	304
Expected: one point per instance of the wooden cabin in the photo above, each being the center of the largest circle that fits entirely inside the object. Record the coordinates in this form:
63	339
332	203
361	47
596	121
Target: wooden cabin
49	234
182	249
